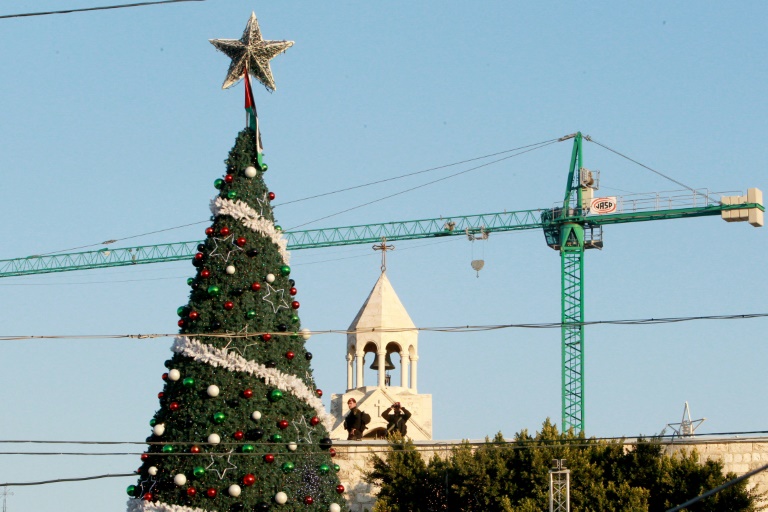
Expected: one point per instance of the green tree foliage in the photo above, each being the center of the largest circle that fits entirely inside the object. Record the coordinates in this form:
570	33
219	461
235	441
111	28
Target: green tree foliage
513	476
239	427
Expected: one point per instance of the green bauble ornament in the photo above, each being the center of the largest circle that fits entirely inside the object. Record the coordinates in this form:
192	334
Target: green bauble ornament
152	422
168	448
190	280
251	314
199	472
248	448
288	467
324	468
213	290
285	270
180	310
218	183
295	319
231	194
275	395
131	490
188	382
279	229
219	417
264	167
276	438
336	468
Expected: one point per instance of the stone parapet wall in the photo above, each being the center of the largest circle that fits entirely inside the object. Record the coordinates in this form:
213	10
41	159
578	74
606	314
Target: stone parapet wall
739	456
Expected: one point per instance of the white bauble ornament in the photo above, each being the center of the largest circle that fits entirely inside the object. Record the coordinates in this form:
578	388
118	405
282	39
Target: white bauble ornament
250	171
214	439
174	374
152	470
270	278
305	333
230	269
281	498
334	508
234	490
213	390
256	415
159	429
292	446
180	479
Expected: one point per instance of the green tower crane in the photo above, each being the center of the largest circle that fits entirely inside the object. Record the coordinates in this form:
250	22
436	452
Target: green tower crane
569	229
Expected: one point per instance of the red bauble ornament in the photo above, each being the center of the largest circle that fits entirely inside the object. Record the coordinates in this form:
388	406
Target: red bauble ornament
319	392
191	492
271	196
165	376
174	406
199	256
309	500
224	231
241	241
180	323
211	492
194	315
248	393
249	479
255	287
229	305
293	291
289	355
332	451
340	489
229	178
144	456
205	273
209	231
283	424
295	304
269	458
314	421
148	496
266	336
194	449
238	435
160	395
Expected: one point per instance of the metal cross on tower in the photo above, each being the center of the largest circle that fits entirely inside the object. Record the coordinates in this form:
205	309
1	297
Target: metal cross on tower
383	247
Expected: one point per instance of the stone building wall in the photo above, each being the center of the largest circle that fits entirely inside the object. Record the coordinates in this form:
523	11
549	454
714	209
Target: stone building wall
738	455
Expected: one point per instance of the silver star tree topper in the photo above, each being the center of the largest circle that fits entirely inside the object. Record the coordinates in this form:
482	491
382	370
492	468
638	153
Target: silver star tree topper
250	53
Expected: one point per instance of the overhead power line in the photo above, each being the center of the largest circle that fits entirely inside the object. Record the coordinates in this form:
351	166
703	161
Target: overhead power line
526	444
449	329
103	8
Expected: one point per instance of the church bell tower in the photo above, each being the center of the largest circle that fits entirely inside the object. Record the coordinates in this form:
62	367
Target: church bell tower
384	334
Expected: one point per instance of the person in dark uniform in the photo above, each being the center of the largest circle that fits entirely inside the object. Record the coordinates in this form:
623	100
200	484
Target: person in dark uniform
396	420
355	422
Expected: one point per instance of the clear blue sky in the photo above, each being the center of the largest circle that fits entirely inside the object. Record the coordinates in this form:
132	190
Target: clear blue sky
114	124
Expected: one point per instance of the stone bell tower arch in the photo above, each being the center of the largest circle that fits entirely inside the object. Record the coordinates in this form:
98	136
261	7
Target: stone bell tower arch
384	329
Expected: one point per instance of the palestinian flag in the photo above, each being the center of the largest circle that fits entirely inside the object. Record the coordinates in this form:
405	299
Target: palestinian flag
250	108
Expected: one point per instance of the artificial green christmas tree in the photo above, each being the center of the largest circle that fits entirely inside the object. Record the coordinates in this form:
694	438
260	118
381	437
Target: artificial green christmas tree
241	426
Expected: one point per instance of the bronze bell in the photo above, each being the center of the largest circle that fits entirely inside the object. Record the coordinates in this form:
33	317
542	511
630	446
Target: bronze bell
387	363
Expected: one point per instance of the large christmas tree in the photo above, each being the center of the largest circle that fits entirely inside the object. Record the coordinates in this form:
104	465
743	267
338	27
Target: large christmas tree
241	426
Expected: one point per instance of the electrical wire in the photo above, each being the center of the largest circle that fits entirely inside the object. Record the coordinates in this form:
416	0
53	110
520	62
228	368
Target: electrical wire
424	185
103	8
452	329
60	480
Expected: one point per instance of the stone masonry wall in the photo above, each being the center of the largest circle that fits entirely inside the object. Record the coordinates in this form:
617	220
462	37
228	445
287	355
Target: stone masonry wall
738	455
